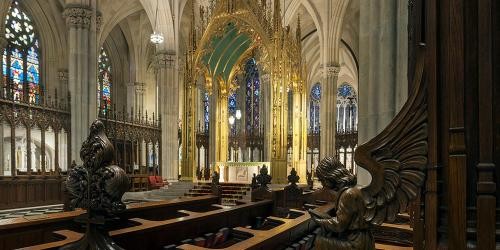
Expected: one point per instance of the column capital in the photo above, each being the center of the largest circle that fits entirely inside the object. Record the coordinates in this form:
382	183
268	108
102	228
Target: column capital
164	59
139	87
330	70
78	16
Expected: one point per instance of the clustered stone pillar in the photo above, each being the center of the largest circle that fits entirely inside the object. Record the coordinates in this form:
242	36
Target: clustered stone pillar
135	97
82	72
168	100
383	60
62	76
266	114
328	114
139	90
213	125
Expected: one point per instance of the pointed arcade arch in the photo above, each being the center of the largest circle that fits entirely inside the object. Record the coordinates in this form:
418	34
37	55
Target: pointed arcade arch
21	58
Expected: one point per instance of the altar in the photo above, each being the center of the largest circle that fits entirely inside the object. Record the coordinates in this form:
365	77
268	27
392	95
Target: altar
239	172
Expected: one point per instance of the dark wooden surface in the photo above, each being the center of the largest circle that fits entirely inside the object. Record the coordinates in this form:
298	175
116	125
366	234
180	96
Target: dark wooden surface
28	191
462	72
154	234
25	231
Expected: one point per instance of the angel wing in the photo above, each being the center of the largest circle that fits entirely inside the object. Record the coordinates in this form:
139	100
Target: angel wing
397	157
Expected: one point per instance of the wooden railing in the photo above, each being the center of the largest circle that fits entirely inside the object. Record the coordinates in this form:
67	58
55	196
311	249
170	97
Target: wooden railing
34	150
136	138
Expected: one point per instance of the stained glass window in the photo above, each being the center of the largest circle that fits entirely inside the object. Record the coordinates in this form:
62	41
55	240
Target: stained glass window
105	81
347	117
206	110
252	99
232	104
314	108
231	108
316	92
20	63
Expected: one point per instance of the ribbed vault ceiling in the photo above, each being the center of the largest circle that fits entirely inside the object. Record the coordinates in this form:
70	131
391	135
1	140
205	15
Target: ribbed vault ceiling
224	51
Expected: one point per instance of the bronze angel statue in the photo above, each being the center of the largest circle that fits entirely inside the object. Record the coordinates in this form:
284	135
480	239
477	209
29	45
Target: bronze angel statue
396	160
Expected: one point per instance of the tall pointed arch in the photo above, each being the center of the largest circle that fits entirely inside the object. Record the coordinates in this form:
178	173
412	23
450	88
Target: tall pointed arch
21	58
252	98
347	109
314	125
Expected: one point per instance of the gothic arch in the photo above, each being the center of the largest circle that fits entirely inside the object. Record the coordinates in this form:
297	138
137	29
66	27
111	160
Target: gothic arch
53	45
334	31
165	22
111	17
118	50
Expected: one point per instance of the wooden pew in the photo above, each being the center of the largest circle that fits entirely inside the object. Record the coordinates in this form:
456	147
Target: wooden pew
28	191
189	228
150	234
32	230
278	237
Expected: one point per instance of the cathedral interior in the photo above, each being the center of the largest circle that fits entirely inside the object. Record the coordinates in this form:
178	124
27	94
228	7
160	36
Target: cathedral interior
250	124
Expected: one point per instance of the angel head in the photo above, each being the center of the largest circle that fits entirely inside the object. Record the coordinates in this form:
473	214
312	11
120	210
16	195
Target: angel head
333	175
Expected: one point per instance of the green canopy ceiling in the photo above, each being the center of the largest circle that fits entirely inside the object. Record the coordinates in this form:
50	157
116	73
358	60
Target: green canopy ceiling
225	50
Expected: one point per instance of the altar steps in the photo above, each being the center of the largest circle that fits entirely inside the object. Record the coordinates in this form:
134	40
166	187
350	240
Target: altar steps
231	192
172	191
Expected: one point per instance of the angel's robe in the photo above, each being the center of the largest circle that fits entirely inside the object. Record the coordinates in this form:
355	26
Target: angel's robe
347	229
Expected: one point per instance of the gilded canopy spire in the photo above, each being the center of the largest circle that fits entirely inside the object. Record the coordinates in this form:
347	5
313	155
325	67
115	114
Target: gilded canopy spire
277	16
192	30
298	32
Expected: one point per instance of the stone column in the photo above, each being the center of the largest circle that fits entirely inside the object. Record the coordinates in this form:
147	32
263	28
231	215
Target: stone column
382	67
144	153
165	62
328	111
131	97
63	90
212	139
82	73
265	114
135	97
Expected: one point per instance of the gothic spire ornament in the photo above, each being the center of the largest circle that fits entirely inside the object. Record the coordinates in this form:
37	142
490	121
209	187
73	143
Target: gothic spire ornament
96	186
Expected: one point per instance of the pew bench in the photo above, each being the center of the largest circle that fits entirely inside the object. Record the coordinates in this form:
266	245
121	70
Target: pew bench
33	230
198	224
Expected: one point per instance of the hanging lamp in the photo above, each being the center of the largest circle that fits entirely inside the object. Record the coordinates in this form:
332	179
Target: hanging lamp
156	37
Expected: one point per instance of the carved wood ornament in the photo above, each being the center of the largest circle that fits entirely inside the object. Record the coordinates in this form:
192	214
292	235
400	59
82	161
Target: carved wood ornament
97	186
396	159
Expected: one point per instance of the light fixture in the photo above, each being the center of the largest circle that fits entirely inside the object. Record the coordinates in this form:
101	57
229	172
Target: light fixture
231	120
156	37
238	114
